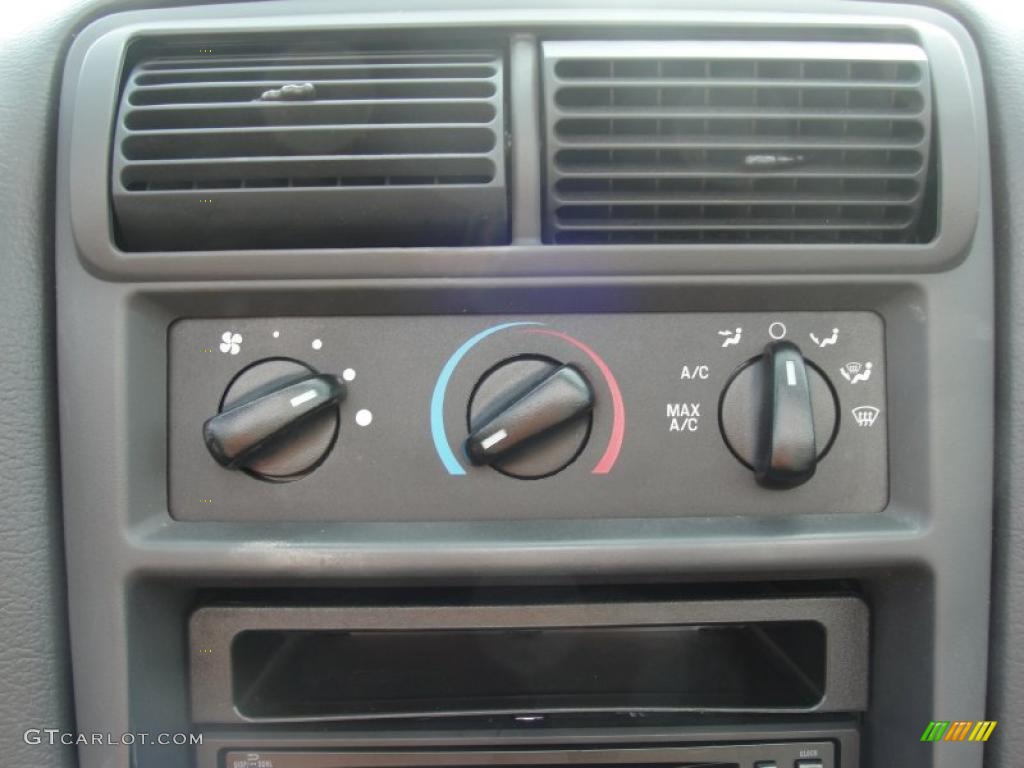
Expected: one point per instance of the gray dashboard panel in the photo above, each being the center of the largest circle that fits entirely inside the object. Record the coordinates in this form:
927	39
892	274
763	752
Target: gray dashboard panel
998	33
900	555
28	135
923	562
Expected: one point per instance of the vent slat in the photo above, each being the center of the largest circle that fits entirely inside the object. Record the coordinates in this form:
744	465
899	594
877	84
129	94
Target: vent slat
362	59
305	140
626	172
248	93
378	149
308	105
280	164
204	75
725	200
312	114
735	141
676	83
810	143
370	170
738	224
912	115
376	82
270	82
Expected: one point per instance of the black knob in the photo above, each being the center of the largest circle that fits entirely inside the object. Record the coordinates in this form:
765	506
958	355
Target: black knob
779	416
529	417
278	420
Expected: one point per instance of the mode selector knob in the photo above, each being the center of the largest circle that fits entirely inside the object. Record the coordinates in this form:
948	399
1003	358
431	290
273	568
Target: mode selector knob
779	416
529	417
278	420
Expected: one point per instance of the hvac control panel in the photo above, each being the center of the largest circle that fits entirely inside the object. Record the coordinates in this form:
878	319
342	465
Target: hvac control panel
450	418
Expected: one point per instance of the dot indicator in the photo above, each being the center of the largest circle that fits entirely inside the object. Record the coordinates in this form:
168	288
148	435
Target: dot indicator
276	334
364	418
348	374
317	344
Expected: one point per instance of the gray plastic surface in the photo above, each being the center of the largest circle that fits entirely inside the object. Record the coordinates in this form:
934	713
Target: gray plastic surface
998	35
923	562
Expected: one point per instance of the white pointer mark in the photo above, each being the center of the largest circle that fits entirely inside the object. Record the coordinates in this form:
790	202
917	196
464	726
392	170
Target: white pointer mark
494	439
305	397
791	373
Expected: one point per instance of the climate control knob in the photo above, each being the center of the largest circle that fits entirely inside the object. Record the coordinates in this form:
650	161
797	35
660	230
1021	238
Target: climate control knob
278	420
779	416
529	417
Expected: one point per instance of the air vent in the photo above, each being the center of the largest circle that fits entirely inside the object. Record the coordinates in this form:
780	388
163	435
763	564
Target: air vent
291	151
666	142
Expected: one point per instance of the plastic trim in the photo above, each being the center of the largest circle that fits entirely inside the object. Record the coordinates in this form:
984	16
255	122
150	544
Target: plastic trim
91	96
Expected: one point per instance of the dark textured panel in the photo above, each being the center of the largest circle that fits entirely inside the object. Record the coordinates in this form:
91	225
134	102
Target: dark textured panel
398	362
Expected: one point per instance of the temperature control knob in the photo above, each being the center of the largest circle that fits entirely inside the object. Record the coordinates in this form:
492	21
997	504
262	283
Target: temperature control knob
277	421
529	417
779	416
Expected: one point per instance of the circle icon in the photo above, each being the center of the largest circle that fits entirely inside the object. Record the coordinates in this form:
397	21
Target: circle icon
777	330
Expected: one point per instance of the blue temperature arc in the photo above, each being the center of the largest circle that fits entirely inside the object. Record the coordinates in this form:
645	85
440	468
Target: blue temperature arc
444	449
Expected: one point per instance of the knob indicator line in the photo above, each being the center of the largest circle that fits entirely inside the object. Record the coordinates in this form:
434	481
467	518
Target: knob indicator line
305	397
494	439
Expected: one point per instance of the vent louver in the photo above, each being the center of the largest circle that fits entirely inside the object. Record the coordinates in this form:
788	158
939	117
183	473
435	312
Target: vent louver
291	151
794	142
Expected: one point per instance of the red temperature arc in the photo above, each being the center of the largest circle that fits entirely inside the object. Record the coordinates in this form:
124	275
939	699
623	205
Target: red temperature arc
611	452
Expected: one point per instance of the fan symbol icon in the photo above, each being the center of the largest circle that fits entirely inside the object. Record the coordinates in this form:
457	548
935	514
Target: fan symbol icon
231	343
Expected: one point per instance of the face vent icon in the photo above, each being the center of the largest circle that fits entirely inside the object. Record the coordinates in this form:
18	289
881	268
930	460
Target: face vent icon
865	415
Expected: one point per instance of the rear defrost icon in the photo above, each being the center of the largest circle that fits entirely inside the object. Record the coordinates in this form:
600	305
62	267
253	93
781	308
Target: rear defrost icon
865	415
